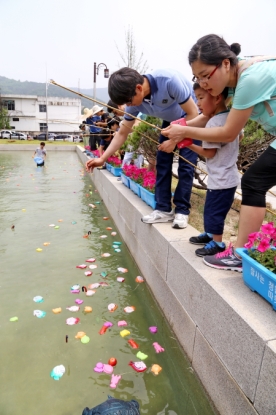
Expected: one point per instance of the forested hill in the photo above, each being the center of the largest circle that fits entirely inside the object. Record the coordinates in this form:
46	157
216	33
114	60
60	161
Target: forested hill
11	86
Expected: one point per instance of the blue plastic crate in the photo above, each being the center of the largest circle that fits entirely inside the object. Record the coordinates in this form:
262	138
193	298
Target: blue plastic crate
258	278
148	197
108	166
125	180
134	187
116	171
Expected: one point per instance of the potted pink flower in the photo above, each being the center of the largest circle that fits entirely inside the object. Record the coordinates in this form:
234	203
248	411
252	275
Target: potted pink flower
148	189
114	165
141	182
135	176
259	262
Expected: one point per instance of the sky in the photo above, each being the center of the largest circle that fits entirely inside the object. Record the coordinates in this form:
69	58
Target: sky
68	36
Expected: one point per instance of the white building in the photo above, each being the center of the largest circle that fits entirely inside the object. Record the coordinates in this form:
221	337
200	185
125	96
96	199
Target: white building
28	113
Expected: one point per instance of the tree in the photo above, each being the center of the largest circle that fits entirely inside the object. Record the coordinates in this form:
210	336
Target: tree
129	56
4	118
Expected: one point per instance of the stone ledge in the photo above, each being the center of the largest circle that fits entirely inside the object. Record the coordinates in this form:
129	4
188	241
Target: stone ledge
226	330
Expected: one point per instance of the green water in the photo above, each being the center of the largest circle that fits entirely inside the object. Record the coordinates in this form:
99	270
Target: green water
32	347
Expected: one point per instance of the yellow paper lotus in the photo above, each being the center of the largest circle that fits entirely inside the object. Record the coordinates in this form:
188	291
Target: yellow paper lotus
80	334
124	333
56	310
156	369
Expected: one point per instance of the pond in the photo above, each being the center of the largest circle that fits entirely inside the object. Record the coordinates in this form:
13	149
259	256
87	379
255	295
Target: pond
41	260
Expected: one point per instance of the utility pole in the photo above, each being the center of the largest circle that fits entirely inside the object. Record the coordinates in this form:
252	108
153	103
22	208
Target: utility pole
46	104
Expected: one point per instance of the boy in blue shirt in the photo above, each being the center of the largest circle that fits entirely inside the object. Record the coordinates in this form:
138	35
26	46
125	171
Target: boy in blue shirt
166	94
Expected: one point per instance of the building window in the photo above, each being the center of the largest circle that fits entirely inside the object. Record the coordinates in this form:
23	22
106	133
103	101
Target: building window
15	119
43	126
42	108
9	105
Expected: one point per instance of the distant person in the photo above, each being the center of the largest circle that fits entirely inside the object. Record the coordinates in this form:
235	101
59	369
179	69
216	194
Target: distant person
117	110
114	126
39	155
95	131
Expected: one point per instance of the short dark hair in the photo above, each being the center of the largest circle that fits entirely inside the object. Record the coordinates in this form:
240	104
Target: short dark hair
196	86
111	104
42	143
224	93
122	85
113	122
212	50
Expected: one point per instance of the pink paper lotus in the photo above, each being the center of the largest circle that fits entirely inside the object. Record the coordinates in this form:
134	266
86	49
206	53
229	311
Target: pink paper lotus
72	320
158	348
82	266
99	367
122	323
115	379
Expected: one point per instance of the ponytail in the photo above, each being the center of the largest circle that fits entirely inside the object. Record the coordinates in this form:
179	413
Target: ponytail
212	50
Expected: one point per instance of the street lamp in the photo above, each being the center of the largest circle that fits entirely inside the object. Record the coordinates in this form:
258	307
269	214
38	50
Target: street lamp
96	72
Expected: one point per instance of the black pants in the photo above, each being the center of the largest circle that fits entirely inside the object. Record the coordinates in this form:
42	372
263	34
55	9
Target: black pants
259	178
93	141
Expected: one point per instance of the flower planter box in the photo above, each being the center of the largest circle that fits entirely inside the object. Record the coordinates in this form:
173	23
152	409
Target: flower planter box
116	171
125	180
147	197
108	166
134	187
258	278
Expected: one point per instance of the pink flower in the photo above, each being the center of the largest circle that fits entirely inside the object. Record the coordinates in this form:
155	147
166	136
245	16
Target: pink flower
249	244
264	245
268	229
254	236
114	161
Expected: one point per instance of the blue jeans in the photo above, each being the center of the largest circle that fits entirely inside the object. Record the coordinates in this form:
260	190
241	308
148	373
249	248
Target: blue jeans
183	189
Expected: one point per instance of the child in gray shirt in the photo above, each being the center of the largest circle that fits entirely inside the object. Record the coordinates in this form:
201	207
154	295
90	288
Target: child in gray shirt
223	176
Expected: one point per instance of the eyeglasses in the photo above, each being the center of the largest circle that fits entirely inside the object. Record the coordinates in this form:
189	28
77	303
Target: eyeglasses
205	78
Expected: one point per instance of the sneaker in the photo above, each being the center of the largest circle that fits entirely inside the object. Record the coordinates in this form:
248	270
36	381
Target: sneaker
201	239
224	260
158	216
211	248
180	221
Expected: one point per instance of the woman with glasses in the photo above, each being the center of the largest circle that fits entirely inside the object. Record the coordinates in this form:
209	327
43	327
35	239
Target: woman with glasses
215	66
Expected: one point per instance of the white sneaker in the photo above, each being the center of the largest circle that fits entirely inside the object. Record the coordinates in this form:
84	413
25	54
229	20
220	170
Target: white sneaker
158	216
180	221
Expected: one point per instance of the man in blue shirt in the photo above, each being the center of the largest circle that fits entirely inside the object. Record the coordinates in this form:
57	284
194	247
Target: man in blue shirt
93	120
166	94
